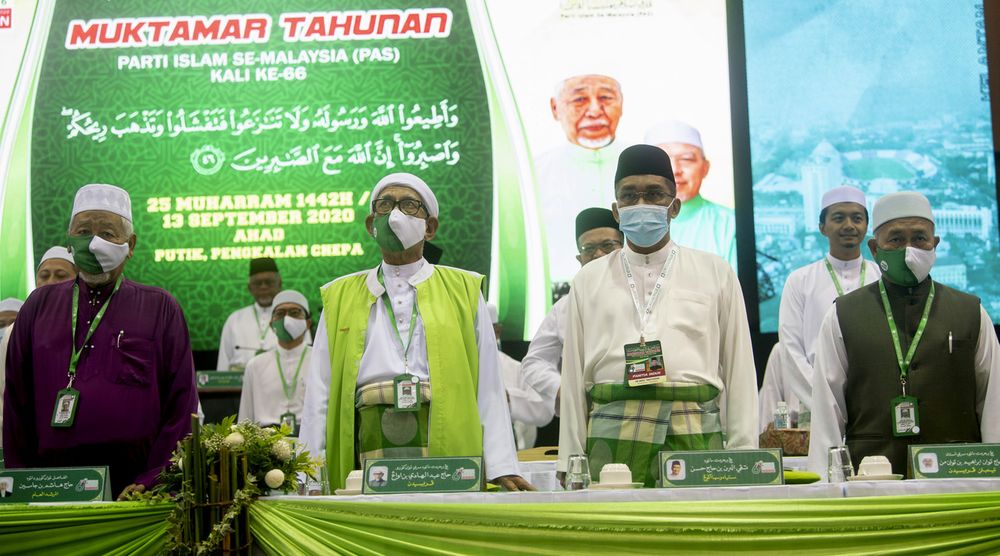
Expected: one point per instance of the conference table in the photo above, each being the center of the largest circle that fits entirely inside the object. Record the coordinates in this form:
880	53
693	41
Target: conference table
915	516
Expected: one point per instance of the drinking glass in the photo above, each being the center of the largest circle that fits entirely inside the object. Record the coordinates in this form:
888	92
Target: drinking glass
578	476
839	467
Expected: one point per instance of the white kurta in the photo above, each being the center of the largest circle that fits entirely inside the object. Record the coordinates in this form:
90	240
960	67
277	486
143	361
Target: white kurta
528	410
829	408
383	360
263	400
246	331
570	179
808	293
540	367
699	318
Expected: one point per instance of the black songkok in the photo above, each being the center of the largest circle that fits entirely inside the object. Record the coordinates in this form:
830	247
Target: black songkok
592	218
640	160
263	264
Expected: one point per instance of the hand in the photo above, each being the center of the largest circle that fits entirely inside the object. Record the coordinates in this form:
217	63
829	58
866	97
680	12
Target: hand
132	488
512	483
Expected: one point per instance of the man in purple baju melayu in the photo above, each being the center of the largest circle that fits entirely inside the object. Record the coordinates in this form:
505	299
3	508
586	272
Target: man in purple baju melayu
99	369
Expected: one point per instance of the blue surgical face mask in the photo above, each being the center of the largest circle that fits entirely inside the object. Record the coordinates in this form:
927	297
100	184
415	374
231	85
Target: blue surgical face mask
645	225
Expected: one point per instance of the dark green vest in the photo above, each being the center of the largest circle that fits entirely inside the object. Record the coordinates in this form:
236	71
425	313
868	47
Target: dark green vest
944	383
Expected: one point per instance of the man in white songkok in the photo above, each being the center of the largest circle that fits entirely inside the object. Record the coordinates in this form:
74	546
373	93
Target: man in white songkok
702	224
657	352
905	360
808	294
56	266
399	338
273	383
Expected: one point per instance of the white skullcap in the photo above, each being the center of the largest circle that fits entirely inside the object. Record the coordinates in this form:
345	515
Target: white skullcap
414	183
291	296
904	204
494	312
57	252
100	196
673	132
10	304
845	194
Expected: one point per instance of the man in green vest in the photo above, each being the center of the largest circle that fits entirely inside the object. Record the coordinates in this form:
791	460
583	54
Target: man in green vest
402	338
905	360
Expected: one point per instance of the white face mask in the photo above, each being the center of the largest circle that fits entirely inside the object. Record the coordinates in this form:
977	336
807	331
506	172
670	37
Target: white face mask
920	261
295	327
409	229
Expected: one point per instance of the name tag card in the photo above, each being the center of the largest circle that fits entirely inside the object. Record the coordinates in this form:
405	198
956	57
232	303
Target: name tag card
955	461
54	484
219	380
402	475
721	468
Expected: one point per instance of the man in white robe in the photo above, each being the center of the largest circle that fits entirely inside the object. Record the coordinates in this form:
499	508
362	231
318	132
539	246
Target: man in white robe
528	410
247	331
810	291
687	300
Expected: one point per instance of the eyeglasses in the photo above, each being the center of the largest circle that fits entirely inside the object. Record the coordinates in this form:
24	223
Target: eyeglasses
295	313
263	282
384	205
604	247
653	196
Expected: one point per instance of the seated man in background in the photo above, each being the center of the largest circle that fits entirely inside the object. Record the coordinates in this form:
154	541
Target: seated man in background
56	266
247	331
273	386
8	311
407	323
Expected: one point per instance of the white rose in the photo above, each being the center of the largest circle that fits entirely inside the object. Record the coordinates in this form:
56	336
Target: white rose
282	450
234	440
274	478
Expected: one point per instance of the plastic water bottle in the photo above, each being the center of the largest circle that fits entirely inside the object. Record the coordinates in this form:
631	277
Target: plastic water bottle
781	416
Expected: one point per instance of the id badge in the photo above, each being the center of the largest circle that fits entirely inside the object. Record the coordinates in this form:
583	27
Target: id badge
288	419
64	412
407	388
905	419
644	364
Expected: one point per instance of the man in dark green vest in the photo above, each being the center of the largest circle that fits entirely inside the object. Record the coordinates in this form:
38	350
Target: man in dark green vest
405	360
905	360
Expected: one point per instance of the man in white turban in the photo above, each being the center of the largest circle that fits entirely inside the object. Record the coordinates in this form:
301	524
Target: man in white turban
56	266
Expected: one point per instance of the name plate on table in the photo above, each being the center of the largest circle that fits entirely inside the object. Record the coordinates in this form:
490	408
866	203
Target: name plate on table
721	468
54	484
955	461
208	380
403	475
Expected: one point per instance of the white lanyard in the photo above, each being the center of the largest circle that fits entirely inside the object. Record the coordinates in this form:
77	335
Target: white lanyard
645	313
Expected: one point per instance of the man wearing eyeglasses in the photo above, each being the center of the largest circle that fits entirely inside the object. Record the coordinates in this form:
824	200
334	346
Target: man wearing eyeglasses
247	331
597	235
654	301
401	338
274	381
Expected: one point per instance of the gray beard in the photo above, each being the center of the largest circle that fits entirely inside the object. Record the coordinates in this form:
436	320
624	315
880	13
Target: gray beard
95	279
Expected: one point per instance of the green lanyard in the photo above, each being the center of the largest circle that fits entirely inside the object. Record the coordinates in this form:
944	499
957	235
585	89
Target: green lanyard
74	360
392	316
289	389
836	283
904	364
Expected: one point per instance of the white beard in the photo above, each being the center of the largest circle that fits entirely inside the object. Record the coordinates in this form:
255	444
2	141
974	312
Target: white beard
95	279
595	143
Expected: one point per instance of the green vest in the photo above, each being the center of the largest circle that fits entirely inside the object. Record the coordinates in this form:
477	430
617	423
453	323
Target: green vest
448	301
944	383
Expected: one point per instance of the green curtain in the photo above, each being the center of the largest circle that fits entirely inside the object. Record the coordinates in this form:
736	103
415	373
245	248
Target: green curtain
952	523
114	528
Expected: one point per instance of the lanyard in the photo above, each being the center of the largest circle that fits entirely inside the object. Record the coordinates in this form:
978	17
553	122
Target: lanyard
904	364
392	316
262	330
74	359
644	314
290	389
836	283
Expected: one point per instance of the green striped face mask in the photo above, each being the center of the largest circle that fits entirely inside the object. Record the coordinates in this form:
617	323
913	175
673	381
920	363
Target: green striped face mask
94	255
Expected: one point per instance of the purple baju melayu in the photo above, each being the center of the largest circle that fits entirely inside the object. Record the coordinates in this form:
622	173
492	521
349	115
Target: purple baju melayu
135	377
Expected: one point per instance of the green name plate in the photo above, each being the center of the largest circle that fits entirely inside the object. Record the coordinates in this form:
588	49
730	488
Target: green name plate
208	380
54	484
401	475
721	468
1	458
955	461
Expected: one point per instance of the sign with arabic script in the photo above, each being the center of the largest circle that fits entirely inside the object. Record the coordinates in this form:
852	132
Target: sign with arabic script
721	468
54	484
216	380
400	475
955	461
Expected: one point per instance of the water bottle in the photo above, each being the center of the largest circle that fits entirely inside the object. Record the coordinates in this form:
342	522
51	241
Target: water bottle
781	416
